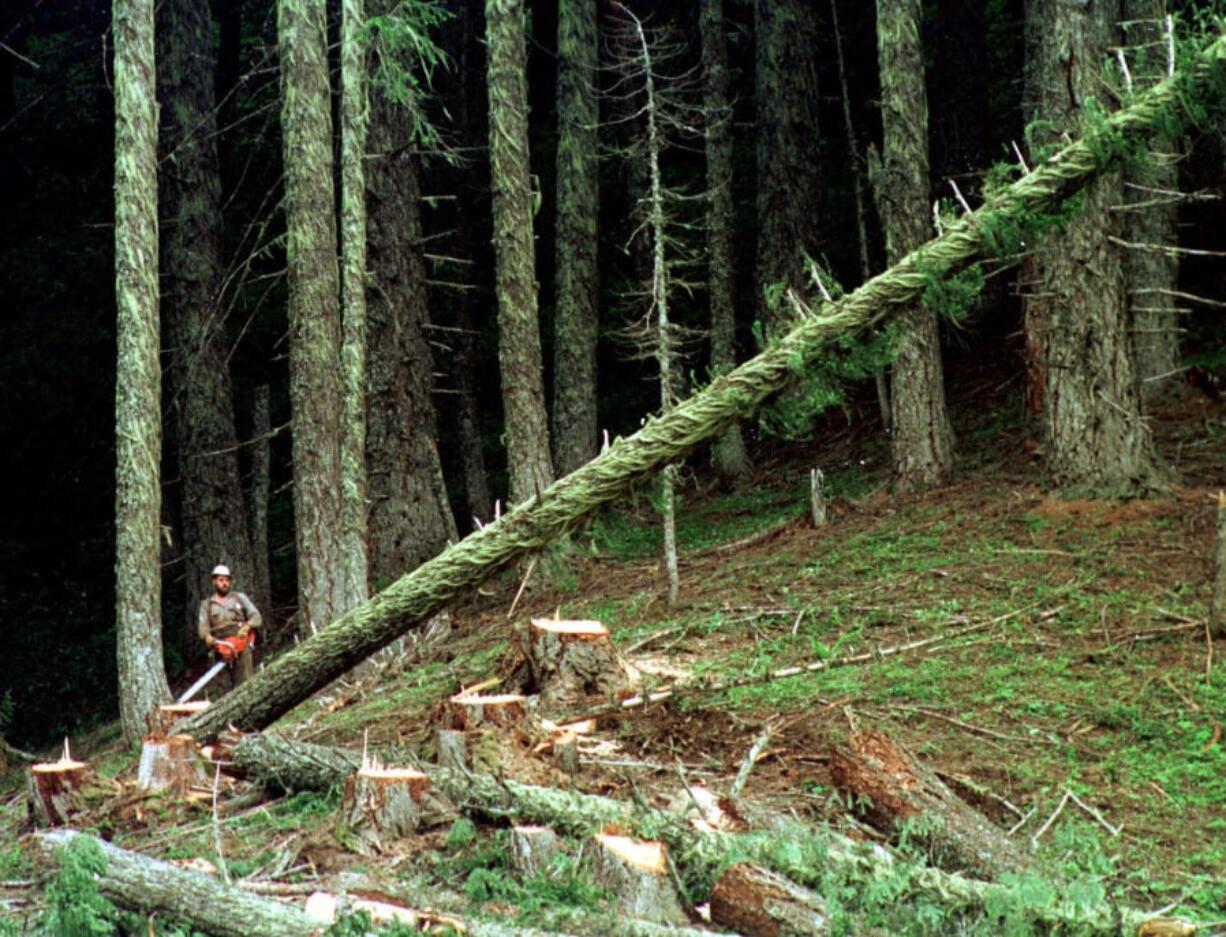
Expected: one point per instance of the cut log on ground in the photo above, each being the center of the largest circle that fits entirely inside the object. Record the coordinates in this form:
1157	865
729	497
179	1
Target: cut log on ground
411	601
636	872
759	903
571	660
699	856
56	790
162	719
890	787
466	712
384	804
533	850
170	764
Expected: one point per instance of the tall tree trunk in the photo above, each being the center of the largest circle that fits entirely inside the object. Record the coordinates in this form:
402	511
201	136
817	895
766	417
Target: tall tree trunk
1152	275
922	437
138	408
314	309
731	460
215	526
576	302
1097	443
519	334
786	103
354	119
1034	300
410	519
261	464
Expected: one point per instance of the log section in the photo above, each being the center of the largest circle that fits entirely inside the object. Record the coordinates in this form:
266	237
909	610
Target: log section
383	804
759	903
56	790
172	764
162	719
466	712
636	871
571	660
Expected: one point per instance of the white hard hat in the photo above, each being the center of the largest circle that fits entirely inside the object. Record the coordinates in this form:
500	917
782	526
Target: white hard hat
221	569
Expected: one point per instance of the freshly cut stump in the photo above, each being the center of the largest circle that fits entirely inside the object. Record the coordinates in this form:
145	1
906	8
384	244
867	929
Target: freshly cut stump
162	719
533	849
452	749
636	871
892	787
56	790
759	903
566	752
169	764
383	804
570	660
463	713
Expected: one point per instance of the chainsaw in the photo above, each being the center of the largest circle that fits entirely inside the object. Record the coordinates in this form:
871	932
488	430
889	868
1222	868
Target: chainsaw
227	651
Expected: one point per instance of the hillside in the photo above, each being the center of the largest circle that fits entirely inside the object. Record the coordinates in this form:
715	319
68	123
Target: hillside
1066	653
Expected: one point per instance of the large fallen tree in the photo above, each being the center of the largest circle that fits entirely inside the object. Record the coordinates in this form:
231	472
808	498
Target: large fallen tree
989	231
815	858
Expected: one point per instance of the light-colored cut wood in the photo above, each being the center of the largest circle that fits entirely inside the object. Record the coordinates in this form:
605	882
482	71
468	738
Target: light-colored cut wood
55	790
465	713
172	764
533	849
162	719
636	872
384	804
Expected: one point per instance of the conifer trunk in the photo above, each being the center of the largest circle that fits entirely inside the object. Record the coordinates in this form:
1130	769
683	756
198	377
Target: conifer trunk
922	439
138	409
731	460
215	528
314	309
410	519
787	159
519	337
354	121
261	485
1097	443
576	309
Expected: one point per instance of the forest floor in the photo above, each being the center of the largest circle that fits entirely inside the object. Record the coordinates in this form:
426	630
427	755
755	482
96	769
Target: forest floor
1090	671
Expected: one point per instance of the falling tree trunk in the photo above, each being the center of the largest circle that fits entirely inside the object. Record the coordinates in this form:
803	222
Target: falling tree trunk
410	519
1152	275
409	602
888	785
922	440
138	409
1097	443
575	316
354	120
785	97
214	522
314	309
519	337
731	460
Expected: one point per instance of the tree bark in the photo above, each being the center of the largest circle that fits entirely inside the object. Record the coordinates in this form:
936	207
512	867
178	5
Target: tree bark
409	602
261	463
922	440
138	394
636	873
519	335
731	459
214	522
410	519
759	903
314	309
355	118
1097	443
785	96
577	278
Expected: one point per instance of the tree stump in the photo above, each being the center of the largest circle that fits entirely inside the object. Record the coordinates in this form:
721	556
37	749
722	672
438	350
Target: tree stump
382	804
892	787
451	747
759	903
636	871
164	717
169	764
570	660
56	790
533	849
566	752
466	712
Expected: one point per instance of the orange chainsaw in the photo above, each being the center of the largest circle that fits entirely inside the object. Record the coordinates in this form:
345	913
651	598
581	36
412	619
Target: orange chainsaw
227	652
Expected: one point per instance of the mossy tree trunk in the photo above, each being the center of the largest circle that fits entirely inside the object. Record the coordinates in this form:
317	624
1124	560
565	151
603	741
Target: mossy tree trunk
519	336
922	440
314	309
354	121
787	149
731	459
1097	443
577	280
1152	275
410	518
138	406
215	528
